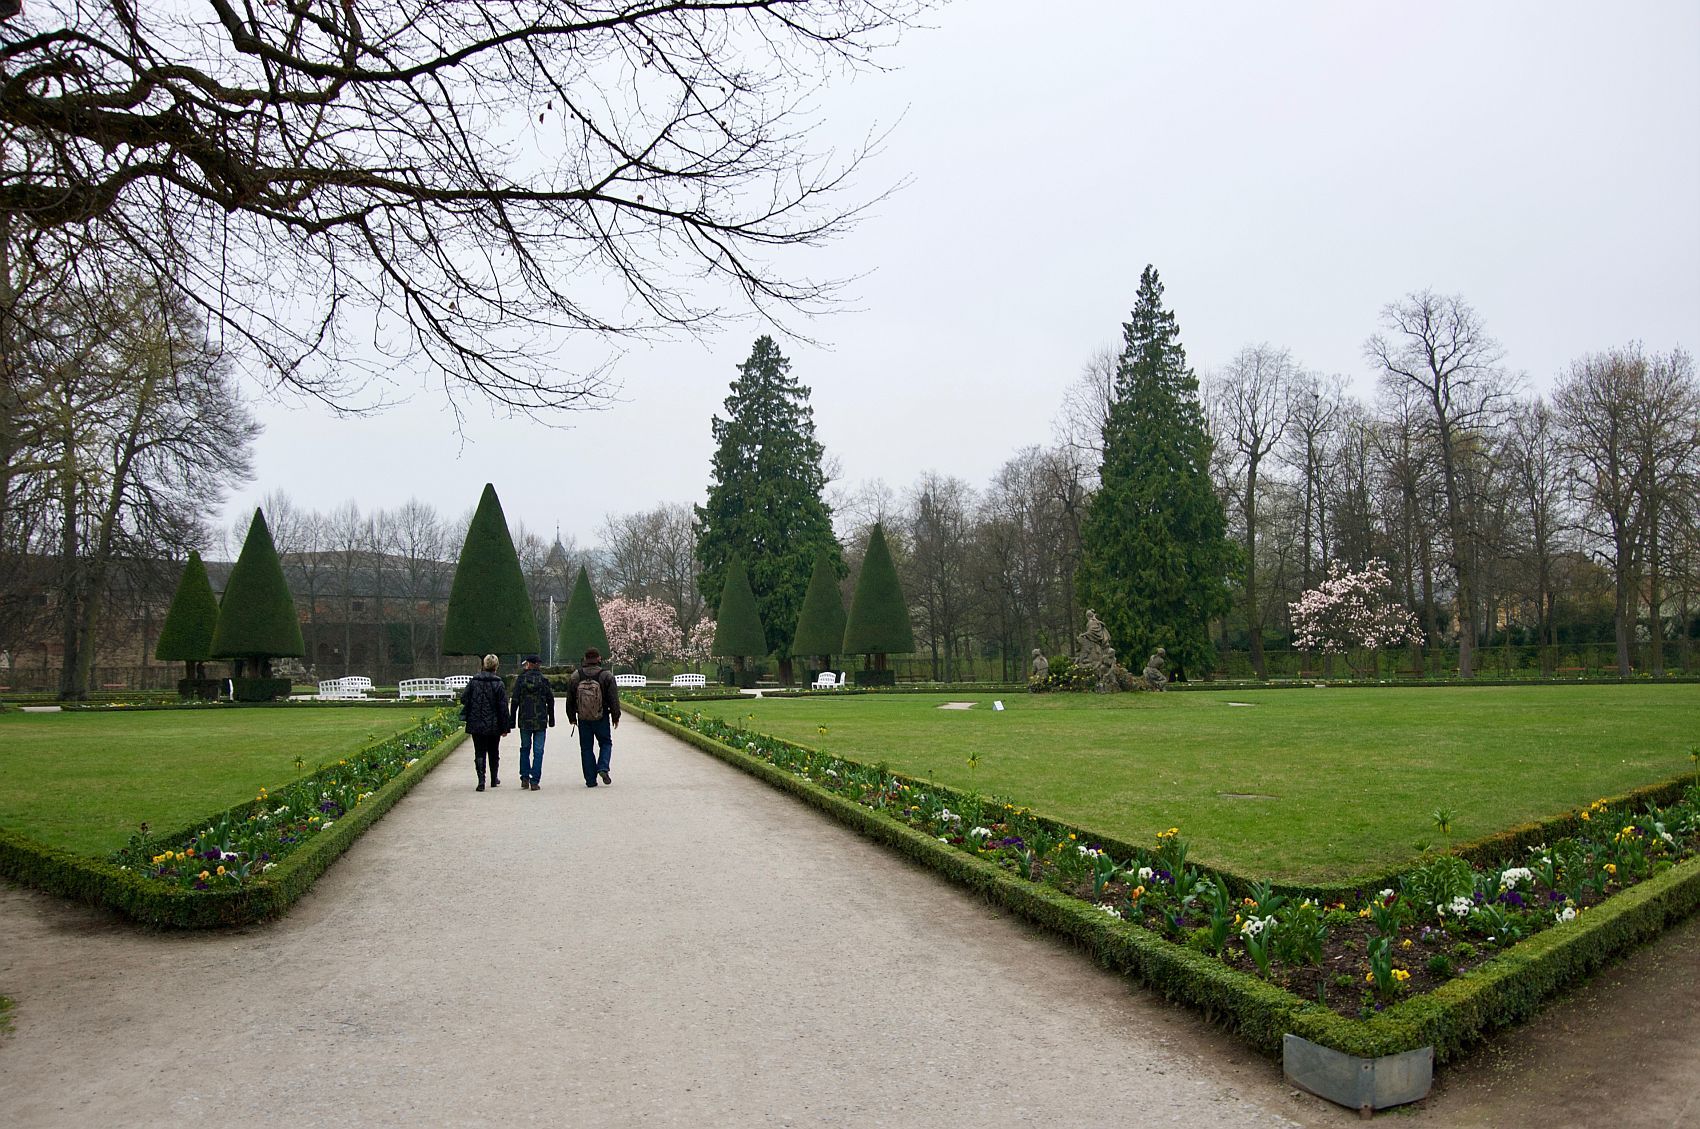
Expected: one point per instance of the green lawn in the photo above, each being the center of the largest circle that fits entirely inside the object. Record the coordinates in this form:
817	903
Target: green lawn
1300	785
84	781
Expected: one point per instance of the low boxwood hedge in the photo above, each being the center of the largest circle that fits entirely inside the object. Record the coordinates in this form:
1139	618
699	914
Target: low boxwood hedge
99	882
1505	990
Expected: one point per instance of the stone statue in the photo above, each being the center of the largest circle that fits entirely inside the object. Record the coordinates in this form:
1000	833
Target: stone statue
1041	666
1155	679
1096	653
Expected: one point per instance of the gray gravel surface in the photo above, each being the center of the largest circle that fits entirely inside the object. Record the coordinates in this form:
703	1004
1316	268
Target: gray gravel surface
685	948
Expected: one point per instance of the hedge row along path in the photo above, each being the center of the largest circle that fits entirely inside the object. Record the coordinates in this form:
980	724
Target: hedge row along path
691	948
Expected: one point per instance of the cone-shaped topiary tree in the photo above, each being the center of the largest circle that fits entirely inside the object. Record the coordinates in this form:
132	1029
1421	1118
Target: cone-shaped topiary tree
581	623
256	619
820	625
187	634
879	615
738	631
489	610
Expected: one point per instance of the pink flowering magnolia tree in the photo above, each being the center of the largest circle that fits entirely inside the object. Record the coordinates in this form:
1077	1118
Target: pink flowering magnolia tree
640	632
699	643
1352	613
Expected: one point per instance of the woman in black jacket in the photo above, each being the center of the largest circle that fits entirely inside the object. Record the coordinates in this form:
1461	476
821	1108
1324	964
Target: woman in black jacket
484	705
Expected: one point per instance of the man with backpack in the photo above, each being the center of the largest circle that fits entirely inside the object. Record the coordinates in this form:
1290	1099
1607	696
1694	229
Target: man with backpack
593	704
532	712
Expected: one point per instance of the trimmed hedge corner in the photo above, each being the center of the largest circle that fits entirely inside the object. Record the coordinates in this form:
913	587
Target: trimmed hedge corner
1505	990
99	882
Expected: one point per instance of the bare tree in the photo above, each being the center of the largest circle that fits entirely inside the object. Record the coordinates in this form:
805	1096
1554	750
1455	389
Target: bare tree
419	544
940	512
346	539
1439	346
1086	406
457	171
1252	401
1665	433
1313	419
1537	467
1597	409
140	434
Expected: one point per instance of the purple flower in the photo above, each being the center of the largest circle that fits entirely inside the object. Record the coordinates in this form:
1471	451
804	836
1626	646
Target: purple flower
1512	898
1554	896
213	854
1012	841
1163	876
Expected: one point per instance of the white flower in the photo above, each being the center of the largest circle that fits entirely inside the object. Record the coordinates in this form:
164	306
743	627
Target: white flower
1255	925
942	839
980	833
1089	852
1515	876
1457	907
1568	913
832	772
327	825
1111	910
1144	873
1385	894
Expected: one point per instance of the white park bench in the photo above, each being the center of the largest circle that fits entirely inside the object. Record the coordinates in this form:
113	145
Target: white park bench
456	683
425	688
350	689
689	681
827	681
629	680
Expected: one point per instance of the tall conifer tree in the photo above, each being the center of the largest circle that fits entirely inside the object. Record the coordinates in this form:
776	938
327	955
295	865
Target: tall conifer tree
820	625
764	495
581	622
738	632
1156	559
489	610
256	620
878	623
187	634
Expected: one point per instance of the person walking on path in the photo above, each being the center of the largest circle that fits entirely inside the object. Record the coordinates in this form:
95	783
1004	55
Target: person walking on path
593	704
532	712
484	705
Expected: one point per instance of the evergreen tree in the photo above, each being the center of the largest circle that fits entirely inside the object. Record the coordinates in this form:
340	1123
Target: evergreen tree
1156	561
256	620
878	623
581	623
738	632
764	496
186	635
489	610
820	625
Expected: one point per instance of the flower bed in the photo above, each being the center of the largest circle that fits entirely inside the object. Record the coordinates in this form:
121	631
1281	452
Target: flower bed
1434	957
252	861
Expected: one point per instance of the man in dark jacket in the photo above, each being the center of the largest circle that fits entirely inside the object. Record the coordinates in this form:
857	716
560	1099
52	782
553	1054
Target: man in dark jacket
532	713
484	705
593	704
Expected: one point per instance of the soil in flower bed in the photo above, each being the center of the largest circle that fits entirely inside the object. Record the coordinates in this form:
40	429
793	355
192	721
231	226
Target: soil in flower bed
1427	945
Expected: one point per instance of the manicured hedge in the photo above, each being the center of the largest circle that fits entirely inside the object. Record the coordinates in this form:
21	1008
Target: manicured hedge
1503	991
99	882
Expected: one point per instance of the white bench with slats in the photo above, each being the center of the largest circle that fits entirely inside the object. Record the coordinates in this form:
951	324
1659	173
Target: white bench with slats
689	682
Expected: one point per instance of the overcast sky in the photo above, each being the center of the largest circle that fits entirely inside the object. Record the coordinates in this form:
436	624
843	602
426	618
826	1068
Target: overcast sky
1289	169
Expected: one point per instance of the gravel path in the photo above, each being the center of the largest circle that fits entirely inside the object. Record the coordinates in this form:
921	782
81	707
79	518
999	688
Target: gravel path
686	948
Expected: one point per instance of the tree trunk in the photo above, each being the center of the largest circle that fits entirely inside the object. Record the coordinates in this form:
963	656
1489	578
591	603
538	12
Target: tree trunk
1655	598
1253	615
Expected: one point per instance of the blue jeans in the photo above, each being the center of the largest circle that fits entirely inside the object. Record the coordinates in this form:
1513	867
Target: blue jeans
531	753
592	733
